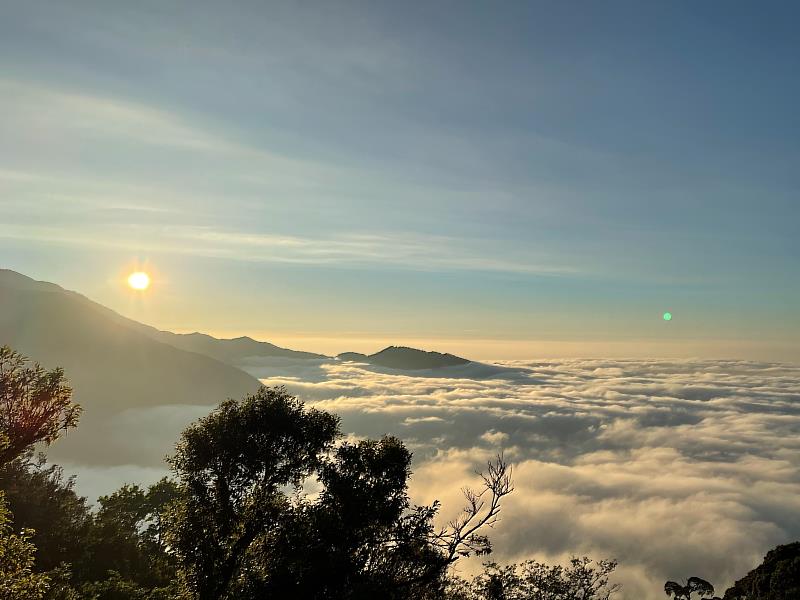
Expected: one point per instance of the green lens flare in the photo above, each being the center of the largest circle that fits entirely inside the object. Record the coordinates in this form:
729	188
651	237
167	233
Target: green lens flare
667	316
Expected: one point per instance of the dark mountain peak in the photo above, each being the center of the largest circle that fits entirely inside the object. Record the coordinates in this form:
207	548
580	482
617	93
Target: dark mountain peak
405	358
352	356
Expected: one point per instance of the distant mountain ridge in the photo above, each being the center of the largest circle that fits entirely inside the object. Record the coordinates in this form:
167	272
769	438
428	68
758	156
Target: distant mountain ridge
405	358
232	351
112	362
60	327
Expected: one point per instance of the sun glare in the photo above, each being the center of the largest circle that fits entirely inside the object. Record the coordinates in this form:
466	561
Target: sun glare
139	280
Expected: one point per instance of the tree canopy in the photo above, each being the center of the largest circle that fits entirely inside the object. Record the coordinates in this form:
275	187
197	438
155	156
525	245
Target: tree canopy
115	552
35	404
581	579
777	578
234	466
43	500
270	505
693	585
18	581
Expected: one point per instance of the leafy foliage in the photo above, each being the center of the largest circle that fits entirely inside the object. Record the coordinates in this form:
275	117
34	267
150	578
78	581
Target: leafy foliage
360	538
777	578
18	581
43	500
35	404
531	580
234	465
245	529
127	536
693	585
107	554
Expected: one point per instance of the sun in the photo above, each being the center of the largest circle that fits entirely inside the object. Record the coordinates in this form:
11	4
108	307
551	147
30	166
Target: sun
139	280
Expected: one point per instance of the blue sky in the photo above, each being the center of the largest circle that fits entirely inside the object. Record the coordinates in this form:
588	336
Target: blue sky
535	177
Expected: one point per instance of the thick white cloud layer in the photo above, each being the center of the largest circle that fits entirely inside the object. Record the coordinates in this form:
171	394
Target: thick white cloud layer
675	468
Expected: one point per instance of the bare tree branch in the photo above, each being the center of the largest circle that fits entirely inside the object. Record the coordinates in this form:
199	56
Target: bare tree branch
460	537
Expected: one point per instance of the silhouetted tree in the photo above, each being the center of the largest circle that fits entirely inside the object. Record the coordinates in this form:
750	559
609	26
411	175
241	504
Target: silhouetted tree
42	499
241	532
127	537
35	404
18	581
693	585
582	579
116	552
234	466
362	538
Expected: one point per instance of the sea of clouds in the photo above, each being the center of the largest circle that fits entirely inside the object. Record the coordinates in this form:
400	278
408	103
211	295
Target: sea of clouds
675	468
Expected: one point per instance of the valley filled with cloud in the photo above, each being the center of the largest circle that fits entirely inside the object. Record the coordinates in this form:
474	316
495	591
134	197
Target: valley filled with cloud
675	468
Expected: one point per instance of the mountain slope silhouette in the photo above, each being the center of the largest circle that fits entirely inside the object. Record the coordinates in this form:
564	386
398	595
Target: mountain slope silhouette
111	362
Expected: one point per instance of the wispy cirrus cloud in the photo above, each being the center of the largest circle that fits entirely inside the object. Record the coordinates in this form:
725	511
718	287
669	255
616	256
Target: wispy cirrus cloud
46	114
92	171
411	251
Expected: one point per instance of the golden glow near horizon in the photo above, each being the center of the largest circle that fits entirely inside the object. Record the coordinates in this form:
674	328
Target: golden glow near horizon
139	280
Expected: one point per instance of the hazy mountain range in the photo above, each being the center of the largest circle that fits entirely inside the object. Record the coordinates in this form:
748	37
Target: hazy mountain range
115	363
